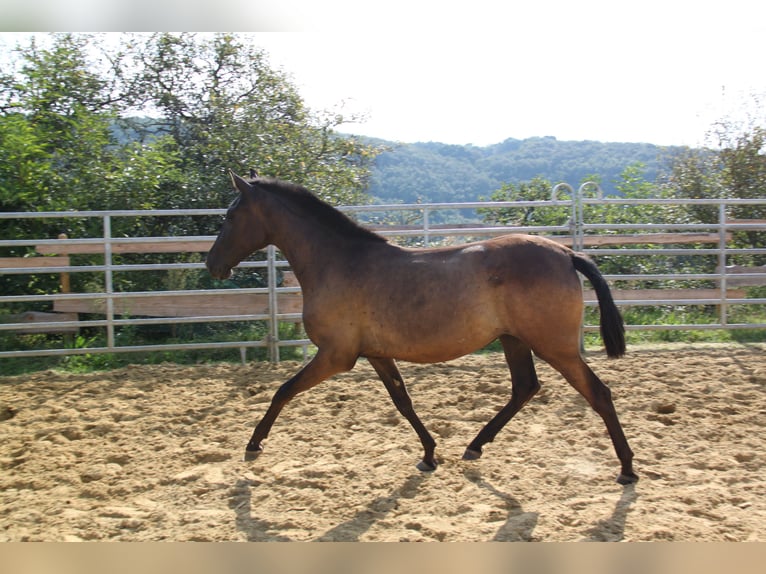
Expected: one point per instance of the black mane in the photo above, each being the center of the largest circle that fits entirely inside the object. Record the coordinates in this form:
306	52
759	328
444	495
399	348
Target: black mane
309	204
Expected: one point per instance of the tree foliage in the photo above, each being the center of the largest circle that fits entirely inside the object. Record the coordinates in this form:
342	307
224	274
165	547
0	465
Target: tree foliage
207	104
732	167
156	122
537	189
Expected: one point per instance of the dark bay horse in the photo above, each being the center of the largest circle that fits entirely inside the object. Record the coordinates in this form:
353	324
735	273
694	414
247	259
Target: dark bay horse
365	297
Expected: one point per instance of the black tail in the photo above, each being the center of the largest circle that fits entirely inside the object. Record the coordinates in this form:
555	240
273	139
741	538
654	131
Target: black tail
612	326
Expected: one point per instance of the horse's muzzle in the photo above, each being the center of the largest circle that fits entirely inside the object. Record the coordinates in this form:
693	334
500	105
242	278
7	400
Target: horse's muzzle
219	272
221	275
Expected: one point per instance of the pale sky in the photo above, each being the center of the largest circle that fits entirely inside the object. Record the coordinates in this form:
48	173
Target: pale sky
621	77
657	71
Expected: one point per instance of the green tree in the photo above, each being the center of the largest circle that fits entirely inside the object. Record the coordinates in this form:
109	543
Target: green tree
155	123
632	184
58	111
25	166
213	104
50	102
226	108
537	189
733	166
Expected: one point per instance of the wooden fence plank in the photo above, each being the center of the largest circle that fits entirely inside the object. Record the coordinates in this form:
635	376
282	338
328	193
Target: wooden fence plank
658	294
652	239
27	262
234	304
745	281
148	246
745	221
31	318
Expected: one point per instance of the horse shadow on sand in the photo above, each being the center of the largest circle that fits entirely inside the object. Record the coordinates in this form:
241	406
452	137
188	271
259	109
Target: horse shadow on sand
519	525
351	530
612	529
257	530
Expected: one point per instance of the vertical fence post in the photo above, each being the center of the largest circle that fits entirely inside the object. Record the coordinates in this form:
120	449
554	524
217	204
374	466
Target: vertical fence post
426	227
723	307
576	231
271	283
575	217
108	282
578	244
578	215
66	285
579	206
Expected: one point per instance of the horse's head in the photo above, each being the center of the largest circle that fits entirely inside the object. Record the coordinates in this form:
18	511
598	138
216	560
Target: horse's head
242	232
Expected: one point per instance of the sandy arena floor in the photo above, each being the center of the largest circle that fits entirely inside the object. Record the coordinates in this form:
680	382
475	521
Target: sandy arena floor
154	453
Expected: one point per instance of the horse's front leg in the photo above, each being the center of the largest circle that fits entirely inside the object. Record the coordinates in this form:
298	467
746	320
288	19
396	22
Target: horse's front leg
389	374
321	367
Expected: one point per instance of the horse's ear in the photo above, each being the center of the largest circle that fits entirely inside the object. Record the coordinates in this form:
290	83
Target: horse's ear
240	184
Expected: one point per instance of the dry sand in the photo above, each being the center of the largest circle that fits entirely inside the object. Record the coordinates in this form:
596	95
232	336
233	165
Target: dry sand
154	453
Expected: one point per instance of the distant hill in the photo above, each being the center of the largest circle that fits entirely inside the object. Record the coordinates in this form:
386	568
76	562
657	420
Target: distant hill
436	172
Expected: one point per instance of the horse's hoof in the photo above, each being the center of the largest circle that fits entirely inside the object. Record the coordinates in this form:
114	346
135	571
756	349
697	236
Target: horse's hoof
252	454
424	466
626	479
471	454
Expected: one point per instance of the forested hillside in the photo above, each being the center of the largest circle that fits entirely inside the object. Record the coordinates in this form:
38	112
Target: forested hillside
435	172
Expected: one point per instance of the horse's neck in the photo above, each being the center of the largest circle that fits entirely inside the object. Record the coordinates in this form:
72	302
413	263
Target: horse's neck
308	246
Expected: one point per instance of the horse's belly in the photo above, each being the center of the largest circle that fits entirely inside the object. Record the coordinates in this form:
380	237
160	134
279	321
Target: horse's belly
421	338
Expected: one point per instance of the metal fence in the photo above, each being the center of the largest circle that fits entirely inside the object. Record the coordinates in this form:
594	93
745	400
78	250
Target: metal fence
412	224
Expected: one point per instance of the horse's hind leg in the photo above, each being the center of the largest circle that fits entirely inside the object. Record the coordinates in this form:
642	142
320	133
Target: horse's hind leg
599	396
524	385
389	374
